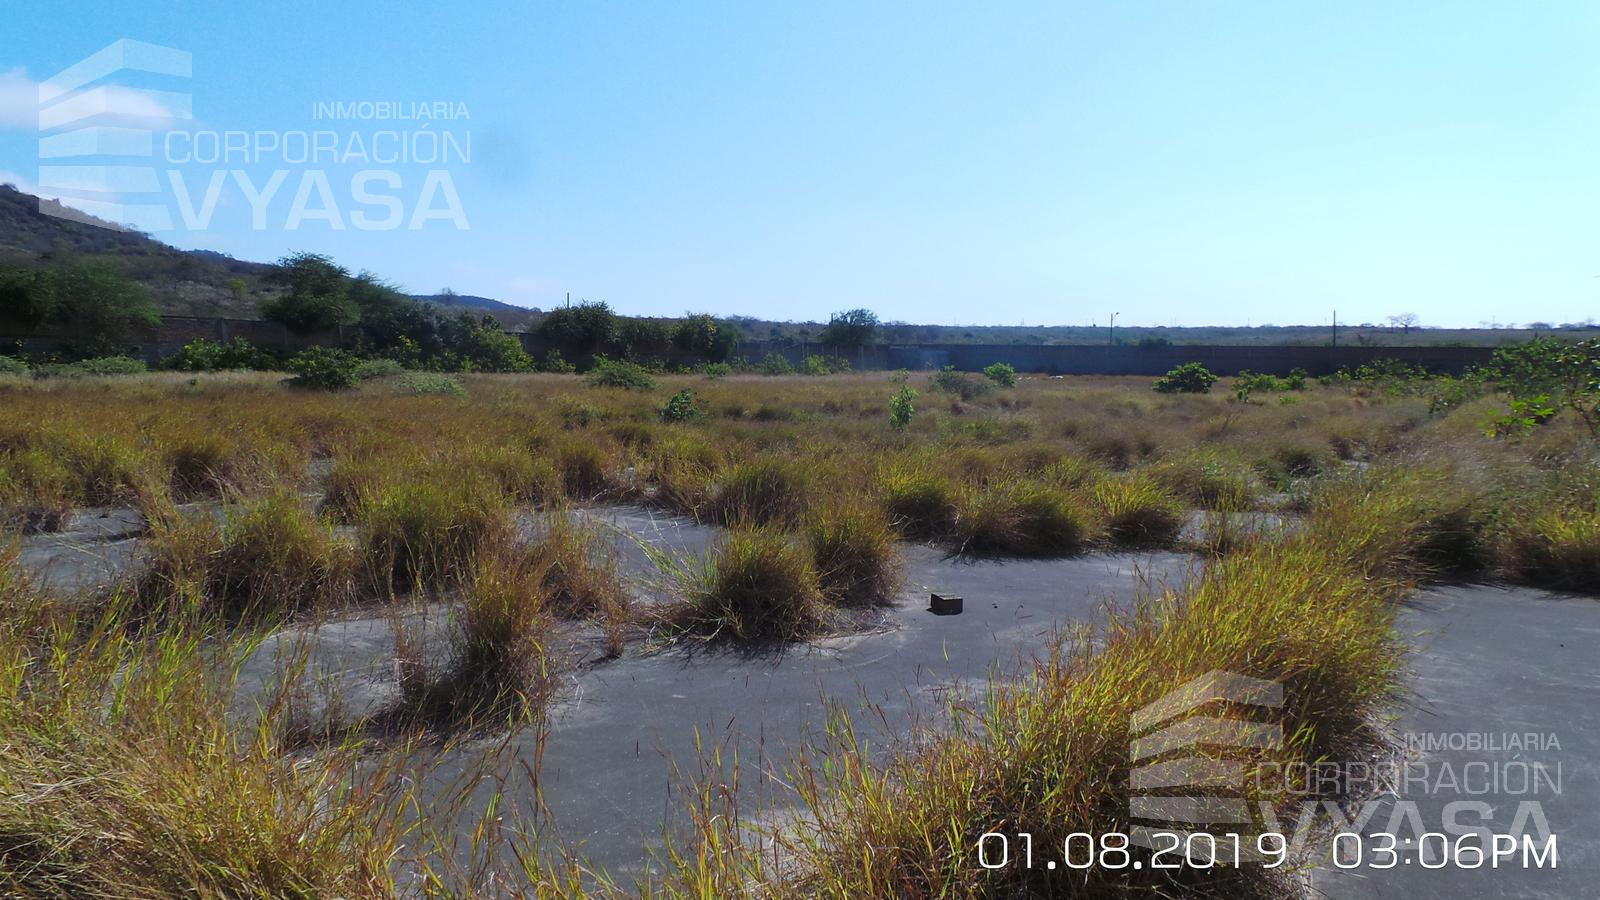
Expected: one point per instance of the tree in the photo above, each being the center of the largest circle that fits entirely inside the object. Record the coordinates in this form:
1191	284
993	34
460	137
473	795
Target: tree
1405	322
317	294
93	304
584	328
851	329
483	346
702	334
20	302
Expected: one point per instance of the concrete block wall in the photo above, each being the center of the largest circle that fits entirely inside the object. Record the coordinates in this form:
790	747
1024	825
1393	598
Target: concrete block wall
1054	359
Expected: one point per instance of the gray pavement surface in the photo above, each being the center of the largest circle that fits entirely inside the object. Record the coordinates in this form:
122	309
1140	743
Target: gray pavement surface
1504	717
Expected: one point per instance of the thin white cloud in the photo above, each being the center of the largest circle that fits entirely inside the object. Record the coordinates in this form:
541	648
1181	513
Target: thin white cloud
19	105
19	100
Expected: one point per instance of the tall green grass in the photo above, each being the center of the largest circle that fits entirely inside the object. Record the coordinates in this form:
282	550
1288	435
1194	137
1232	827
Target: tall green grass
120	775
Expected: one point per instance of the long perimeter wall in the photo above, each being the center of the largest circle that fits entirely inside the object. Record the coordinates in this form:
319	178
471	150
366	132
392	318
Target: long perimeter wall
1053	359
1066	359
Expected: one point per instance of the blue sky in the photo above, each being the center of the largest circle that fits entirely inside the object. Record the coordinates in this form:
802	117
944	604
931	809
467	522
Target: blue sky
1051	163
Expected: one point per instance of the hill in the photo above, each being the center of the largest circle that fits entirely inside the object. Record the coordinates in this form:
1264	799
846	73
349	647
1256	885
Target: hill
509	315
181	282
187	283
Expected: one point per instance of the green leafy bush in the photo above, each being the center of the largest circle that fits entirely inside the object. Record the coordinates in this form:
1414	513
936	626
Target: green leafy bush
12	366
703	334
775	364
1189	378
324	369
960	384
680	408
585	328
1003	374
620	373
1248	382
203	355
1547	374
716	370
825	365
554	364
96	306
902	407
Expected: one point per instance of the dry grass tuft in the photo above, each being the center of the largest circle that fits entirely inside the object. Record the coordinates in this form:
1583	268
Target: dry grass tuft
854	553
757	585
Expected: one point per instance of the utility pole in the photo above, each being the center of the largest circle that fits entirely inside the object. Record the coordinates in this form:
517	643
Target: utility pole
1336	328
1112	340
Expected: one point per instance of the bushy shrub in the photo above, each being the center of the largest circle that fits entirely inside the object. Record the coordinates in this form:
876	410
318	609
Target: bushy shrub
680	407
584	328
704	335
961	384
1554	375
1189	378
775	364
12	366
324	369
620	373
555	365
716	370
202	355
825	365
1003	374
